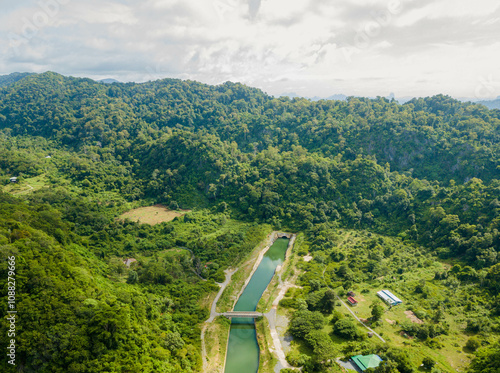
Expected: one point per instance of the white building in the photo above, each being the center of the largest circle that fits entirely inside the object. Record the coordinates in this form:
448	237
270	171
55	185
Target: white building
389	298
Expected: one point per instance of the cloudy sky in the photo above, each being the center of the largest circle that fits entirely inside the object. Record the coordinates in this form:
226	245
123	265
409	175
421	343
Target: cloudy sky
310	47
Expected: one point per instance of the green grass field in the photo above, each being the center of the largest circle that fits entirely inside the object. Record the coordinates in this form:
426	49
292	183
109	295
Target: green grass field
28	185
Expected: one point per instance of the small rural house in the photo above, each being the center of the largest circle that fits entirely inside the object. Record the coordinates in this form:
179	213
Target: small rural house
352	301
365	362
389	298
13	179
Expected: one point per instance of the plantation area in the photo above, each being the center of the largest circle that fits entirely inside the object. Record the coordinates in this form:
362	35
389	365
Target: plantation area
27	185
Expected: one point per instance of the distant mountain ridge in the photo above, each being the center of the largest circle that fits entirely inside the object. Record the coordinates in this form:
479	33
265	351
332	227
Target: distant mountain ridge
342	97
6	80
491	104
109	81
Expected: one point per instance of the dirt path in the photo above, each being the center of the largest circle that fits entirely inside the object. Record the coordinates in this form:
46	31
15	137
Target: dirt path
271	318
25	191
213	315
362	323
203	348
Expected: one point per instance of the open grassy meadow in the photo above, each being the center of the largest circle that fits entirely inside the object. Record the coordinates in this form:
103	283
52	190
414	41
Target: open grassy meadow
152	215
27	185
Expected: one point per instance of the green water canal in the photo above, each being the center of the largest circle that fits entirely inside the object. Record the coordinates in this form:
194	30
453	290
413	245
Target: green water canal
243	350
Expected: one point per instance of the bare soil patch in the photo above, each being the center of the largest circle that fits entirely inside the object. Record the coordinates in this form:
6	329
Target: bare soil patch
152	215
392	322
412	317
307	258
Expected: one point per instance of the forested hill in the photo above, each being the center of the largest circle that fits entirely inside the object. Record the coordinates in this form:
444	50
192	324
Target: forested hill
426	173
436	138
426	170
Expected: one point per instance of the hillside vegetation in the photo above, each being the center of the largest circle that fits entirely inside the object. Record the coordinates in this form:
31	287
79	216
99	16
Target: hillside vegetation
424	174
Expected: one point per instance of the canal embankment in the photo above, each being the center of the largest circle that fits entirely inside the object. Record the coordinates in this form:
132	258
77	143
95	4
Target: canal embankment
283	280
239	278
244	355
215	331
215	334
267	347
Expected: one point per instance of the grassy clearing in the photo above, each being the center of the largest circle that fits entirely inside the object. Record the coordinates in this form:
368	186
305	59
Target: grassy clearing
216	338
28	185
152	215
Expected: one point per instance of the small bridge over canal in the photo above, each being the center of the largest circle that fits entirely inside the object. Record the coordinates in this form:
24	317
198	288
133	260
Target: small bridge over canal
247	314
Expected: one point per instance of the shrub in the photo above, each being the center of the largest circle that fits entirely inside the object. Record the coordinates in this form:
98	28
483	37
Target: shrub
297	359
428	363
345	328
473	343
288	303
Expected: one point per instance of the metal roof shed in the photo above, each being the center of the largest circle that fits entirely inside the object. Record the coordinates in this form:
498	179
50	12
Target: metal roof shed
368	361
389	298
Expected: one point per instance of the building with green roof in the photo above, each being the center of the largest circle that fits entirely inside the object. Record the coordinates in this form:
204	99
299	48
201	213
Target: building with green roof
365	362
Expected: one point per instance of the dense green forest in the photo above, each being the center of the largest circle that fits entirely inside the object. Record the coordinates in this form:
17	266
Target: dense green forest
425	173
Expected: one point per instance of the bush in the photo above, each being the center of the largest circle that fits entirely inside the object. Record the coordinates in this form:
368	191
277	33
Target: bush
422	315
435	345
428	363
473	344
288	303
345	328
401	358
480	324
337	315
297	359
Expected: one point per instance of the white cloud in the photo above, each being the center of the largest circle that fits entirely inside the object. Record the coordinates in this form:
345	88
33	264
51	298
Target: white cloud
315	48
104	12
